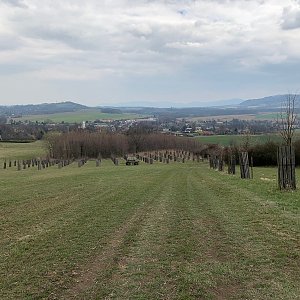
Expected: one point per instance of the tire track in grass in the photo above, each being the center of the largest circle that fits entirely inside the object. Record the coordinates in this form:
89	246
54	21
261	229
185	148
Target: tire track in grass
142	264
58	251
173	255
63	221
261	258
267	222
101	267
159	261
213	267
56	219
193	234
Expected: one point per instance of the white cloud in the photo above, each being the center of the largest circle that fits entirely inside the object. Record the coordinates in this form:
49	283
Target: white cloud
86	40
127	27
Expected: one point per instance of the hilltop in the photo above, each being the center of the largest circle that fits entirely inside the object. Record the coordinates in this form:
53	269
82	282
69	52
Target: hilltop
267	102
44	108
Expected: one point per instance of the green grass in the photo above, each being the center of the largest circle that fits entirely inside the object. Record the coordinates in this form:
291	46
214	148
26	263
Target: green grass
79	116
226	140
22	150
268	116
177	231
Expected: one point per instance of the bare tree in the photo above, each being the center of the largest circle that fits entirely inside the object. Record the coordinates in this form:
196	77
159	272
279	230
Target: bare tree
287	117
286	154
246	142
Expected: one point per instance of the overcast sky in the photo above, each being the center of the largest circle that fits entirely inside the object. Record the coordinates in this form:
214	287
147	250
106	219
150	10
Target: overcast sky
167	52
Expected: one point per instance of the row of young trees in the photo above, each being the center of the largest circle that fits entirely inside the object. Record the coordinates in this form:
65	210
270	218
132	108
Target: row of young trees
92	145
261	154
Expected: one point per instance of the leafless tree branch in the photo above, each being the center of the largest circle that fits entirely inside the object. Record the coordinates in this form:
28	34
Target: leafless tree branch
286	119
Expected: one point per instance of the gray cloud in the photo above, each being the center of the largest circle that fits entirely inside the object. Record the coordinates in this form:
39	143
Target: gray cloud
9	42
92	40
291	18
17	3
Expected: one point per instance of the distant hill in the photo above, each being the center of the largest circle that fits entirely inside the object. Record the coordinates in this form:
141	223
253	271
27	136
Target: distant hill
227	102
37	109
251	106
271	102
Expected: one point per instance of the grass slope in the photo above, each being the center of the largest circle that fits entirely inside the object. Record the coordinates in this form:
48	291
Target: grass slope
80	116
177	231
226	140
21	150
268	116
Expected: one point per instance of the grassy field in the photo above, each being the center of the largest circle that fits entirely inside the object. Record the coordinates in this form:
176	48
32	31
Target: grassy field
248	117
21	150
80	116
226	140
268	116
177	231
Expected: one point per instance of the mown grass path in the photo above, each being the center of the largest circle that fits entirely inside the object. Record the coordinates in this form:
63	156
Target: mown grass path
178	231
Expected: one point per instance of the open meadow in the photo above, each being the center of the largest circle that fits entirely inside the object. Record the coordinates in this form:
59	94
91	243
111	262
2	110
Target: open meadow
21	150
226	140
161	231
79	116
268	116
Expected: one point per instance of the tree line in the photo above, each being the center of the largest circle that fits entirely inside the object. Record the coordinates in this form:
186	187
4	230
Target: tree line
74	145
78	144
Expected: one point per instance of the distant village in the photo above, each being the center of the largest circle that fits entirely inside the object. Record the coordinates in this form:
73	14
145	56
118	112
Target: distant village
12	128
